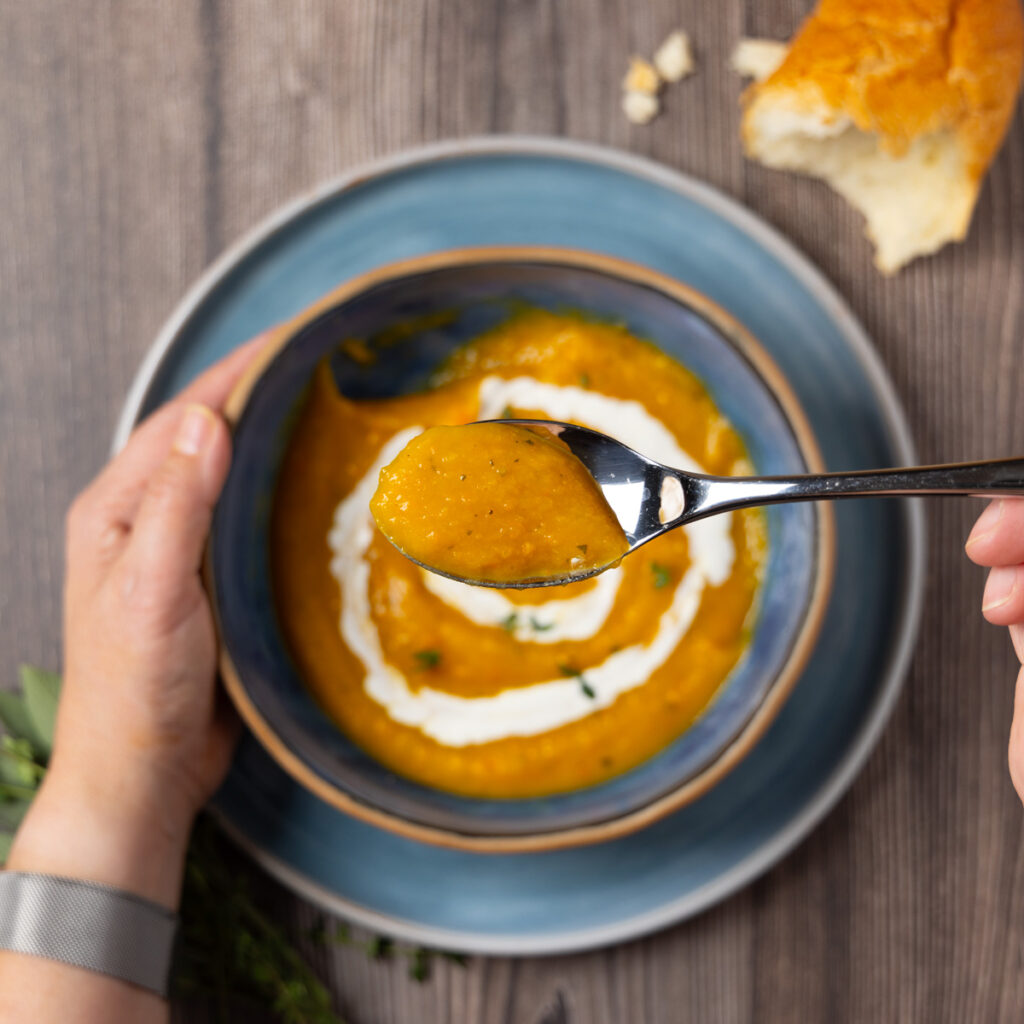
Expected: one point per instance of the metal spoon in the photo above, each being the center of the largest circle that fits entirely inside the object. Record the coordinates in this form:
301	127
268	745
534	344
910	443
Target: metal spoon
650	499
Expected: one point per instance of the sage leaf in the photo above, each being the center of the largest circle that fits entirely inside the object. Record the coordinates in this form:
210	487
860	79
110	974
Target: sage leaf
42	692
15	718
17	762
6	842
11	814
16	791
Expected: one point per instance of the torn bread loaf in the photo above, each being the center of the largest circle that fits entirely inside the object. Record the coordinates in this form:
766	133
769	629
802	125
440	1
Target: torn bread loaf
900	105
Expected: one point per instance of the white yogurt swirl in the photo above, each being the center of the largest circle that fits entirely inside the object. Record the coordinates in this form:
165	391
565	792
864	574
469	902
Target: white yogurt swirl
540	707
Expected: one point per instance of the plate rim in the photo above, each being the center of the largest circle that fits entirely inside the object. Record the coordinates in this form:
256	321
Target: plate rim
911	599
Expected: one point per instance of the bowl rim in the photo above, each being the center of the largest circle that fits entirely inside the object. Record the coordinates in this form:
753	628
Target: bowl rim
801	647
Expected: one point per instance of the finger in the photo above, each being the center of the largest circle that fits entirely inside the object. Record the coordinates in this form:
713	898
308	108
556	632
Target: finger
100	521
998	535
170	528
1003	601
1016	750
213	386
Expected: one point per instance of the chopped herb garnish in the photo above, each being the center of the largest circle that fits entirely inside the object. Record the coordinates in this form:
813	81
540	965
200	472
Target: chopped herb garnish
428	659
509	623
541	627
507	413
581	547
662	575
576	673
584	380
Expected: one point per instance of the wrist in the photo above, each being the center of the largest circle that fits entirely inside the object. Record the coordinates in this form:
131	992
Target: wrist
118	834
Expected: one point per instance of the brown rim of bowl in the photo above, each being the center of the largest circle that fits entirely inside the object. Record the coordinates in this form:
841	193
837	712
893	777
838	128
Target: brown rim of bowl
784	682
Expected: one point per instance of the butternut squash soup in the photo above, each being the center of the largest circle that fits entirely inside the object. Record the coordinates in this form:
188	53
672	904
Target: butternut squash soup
496	503
499	693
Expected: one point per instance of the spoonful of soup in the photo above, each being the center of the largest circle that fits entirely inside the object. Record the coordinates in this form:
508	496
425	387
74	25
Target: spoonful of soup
532	503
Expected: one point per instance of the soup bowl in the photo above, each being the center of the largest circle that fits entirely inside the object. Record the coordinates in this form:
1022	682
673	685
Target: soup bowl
426	308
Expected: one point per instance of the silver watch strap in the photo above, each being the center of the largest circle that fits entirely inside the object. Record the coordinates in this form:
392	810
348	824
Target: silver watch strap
88	925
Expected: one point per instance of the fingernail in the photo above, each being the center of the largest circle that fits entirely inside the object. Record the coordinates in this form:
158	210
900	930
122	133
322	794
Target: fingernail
987	522
1001	586
194	431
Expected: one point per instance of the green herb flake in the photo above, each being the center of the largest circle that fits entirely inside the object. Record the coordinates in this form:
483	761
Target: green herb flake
540	627
510	622
576	673
584	380
582	548
662	575
508	413
427	659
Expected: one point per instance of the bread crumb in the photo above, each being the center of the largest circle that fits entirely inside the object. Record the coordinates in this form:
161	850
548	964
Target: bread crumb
757	58
641	77
674	58
640	107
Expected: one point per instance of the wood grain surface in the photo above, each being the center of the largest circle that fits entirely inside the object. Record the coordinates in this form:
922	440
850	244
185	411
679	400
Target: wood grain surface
137	139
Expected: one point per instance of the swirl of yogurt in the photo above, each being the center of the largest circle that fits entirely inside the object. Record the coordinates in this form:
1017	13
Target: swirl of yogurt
456	721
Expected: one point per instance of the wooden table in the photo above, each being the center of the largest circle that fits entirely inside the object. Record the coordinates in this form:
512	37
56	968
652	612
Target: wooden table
138	139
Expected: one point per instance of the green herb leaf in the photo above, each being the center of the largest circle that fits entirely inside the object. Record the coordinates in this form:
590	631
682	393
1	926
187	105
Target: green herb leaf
508	413
16	791
662	575
428	659
509	623
11	813
419	966
588	690
570	671
17	762
584	380
6	842
541	627
42	692
14	716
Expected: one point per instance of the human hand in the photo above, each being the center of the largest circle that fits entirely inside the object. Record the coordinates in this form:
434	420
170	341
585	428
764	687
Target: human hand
143	735
997	541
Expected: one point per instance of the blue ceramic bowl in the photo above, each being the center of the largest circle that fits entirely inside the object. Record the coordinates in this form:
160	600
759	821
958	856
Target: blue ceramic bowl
478	285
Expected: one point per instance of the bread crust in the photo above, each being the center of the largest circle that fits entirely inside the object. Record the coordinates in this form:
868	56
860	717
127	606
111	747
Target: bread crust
901	69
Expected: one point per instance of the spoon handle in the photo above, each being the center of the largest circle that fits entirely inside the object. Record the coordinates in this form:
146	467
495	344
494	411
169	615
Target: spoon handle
705	495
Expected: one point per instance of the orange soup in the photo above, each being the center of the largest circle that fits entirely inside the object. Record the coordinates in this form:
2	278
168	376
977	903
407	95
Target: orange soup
498	693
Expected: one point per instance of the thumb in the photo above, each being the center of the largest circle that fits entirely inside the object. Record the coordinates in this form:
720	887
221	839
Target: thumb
173	519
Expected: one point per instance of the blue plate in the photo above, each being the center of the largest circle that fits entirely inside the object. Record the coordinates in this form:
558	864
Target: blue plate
546	192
